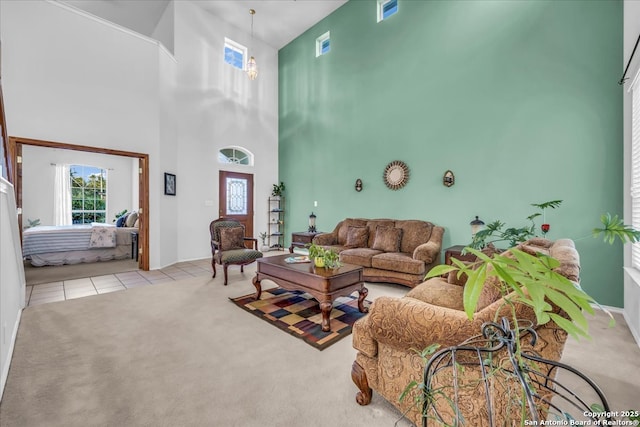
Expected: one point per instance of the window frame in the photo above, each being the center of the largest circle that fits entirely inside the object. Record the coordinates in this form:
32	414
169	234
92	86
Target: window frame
381	9
319	44
84	188
236	47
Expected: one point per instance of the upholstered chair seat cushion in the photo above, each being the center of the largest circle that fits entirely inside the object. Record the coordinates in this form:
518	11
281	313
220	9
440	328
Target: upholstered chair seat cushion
358	256
239	255
398	261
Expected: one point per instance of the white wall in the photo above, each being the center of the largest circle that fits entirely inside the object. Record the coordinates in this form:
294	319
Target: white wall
632	277
218	106
164	30
73	78
12	283
38	180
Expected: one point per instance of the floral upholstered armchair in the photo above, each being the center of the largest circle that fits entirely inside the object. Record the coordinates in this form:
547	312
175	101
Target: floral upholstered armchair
390	338
228	245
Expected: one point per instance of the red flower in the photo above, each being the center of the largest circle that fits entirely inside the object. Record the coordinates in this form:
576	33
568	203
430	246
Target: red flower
545	227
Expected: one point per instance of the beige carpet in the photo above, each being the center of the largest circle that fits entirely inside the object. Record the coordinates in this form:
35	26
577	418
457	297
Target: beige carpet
38	275
182	354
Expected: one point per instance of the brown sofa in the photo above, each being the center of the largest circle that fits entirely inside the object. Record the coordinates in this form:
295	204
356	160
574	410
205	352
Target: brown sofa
387	340
393	251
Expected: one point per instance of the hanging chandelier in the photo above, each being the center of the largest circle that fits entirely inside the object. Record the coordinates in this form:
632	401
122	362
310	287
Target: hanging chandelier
252	67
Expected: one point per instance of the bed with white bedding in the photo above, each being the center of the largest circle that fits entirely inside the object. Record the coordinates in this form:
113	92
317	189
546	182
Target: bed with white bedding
74	244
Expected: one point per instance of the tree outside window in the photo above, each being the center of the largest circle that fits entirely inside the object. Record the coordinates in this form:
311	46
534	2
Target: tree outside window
88	194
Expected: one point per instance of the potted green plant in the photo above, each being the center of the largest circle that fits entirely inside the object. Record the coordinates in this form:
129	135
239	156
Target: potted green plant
278	189
535	283
316	254
331	259
263	238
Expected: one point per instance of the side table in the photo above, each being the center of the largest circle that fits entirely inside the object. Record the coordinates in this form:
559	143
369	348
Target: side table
299	239
456	252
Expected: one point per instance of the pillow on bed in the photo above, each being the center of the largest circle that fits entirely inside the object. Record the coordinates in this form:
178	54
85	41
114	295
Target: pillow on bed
121	220
103	237
131	219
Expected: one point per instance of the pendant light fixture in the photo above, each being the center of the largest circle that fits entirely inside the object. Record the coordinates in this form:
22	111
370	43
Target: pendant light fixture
252	67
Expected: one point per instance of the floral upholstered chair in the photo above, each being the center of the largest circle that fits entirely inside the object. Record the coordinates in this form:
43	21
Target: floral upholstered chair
228	245
390	338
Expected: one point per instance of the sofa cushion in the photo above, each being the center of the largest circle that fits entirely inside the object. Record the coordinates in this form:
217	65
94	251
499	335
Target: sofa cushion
373	224
437	291
398	261
357	237
231	238
358	256
387	239
344	228
414	233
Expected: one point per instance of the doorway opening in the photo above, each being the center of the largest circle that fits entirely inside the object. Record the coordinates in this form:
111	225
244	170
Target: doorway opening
16	144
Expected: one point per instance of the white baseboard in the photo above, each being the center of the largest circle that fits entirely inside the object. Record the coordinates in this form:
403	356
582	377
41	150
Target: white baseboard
5	372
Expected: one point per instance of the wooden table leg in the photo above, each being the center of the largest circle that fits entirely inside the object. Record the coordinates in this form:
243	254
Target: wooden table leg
362	294
256	283
326	307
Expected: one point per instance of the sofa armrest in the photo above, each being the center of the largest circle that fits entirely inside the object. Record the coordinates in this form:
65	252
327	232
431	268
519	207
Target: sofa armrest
326	239
430	251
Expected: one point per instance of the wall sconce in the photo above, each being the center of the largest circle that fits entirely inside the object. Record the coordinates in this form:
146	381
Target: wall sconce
358	185
312	223
448	179
476	225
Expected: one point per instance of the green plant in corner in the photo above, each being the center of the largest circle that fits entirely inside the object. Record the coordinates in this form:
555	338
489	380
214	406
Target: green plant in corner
119	214
32	223
278	189
530	280
263	237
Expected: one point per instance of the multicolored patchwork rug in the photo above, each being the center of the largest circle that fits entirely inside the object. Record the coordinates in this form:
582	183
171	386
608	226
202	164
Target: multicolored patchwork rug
298	313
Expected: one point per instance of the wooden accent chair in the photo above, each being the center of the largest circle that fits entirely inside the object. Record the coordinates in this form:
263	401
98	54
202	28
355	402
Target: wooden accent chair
228	245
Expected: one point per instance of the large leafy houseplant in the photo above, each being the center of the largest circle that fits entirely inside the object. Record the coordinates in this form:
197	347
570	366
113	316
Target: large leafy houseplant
529	279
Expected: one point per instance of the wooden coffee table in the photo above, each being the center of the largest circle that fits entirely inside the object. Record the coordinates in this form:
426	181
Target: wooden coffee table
323	284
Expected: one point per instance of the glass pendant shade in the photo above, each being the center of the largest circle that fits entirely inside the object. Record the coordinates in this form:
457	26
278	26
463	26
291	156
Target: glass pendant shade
252	68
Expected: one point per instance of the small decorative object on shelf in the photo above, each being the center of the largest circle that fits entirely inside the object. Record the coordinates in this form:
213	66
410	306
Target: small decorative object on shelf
278	189
312	223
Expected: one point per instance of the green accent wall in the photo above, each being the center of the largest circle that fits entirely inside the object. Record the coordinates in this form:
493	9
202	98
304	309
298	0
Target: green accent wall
518	98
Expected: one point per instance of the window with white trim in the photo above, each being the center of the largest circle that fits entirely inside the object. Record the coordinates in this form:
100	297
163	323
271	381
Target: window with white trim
635	169
235	155
88	194
235	54
386	8
323	44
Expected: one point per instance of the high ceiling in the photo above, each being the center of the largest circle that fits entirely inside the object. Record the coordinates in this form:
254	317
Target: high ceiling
276	22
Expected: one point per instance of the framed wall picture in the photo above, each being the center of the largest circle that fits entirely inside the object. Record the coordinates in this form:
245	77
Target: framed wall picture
169	184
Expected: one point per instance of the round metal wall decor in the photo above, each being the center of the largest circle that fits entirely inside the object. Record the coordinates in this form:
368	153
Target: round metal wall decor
396	175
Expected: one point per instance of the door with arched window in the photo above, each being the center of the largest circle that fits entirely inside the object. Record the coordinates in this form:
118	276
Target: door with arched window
236	198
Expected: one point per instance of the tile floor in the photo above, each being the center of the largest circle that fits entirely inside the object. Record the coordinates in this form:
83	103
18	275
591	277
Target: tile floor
77	288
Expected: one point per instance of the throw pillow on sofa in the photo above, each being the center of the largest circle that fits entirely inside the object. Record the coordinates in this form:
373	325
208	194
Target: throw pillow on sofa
357	237
131	219
387	239
231	238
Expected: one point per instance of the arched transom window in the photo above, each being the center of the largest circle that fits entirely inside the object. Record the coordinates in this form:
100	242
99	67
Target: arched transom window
235	155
